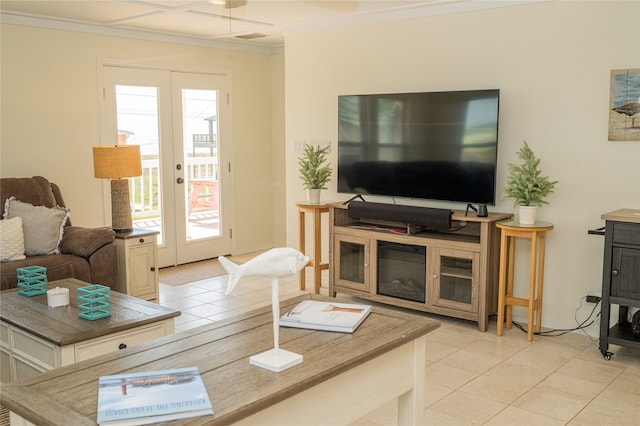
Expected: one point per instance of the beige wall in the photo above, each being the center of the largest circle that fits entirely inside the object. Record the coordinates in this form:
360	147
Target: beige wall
551	61
279	153
50	117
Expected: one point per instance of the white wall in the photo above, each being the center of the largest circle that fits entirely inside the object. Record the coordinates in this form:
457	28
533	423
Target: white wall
279	158
50	117
552	62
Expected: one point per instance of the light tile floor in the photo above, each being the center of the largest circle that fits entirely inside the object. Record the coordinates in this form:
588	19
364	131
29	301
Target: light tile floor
472	378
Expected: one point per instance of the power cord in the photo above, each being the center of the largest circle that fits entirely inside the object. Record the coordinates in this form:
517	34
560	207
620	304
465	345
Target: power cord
575	316
581	325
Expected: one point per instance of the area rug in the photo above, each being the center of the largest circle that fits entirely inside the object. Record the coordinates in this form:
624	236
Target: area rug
189	272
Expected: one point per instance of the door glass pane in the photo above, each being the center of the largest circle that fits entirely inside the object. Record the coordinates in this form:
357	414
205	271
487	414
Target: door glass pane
456	279
137	119
200	142
352	262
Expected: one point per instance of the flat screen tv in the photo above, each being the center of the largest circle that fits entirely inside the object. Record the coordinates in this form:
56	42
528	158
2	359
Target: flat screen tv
432	145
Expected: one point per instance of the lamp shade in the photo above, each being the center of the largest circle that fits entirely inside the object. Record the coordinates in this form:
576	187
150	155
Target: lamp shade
116	161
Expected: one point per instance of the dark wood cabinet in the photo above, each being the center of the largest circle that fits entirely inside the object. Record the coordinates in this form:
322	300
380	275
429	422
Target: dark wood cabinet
625	273
620	278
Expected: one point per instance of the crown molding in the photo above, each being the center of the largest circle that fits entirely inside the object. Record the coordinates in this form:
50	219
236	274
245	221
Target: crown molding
63	25
438	7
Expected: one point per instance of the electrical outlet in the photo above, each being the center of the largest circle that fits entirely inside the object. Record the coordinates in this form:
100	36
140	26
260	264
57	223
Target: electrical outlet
298	146
593	299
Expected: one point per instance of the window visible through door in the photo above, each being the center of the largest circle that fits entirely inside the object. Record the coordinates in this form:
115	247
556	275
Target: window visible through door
180	124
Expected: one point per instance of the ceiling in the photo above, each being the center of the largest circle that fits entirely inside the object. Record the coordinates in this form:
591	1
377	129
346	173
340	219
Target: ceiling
250	22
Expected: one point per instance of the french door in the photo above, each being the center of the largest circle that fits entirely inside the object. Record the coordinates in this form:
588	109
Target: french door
181	122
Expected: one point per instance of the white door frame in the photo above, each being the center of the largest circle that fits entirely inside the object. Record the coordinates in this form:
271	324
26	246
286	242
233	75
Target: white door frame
167	254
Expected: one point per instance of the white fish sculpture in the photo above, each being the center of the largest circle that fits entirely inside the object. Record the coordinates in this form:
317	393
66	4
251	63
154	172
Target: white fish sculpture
274	263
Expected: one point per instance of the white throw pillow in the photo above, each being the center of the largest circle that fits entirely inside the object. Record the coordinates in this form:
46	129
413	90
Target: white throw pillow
43	226
11	240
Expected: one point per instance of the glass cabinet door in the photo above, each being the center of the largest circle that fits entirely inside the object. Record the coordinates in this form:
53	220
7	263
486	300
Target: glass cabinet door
352	262
454	279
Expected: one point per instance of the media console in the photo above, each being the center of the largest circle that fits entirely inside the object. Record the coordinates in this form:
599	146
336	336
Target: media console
451	272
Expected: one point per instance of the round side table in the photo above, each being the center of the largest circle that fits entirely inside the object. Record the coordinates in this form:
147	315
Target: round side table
509	231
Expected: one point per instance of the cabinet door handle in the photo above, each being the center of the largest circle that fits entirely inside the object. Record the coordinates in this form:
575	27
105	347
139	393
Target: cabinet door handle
153	269
614	272
122	346
141	240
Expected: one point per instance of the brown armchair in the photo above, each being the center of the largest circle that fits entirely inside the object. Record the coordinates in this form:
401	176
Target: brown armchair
88	254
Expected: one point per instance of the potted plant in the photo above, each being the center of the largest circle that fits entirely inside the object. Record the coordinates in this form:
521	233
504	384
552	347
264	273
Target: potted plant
313	172
527	186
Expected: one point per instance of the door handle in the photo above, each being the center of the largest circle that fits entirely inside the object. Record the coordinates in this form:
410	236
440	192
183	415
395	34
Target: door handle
180	180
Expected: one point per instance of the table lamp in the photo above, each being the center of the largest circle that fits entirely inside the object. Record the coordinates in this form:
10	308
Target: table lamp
117	163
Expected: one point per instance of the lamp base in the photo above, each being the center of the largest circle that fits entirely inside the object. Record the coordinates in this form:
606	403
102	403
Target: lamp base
120	206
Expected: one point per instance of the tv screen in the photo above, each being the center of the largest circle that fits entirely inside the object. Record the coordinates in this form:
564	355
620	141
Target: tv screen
433	145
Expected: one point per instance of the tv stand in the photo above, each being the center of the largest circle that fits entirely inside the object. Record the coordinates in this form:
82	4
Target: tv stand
452	273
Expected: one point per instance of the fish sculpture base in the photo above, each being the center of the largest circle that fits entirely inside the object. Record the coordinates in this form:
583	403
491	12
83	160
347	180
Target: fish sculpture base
276	359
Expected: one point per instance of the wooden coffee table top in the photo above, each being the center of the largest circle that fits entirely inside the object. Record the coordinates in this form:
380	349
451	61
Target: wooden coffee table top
62	326
221	352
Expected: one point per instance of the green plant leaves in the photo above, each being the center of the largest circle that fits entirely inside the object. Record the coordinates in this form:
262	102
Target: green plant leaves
525	183
313	173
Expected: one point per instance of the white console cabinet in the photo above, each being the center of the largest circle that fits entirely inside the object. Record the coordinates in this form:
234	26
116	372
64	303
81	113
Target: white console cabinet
137	259
25	355
35	338
451	272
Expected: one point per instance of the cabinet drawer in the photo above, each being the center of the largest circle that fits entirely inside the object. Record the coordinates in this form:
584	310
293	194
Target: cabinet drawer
140	241
626	233
112	343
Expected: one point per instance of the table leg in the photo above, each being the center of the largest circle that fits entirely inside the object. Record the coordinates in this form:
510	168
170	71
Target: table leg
540	279
317	250
532	285
511	256
501	282
301	244
411	404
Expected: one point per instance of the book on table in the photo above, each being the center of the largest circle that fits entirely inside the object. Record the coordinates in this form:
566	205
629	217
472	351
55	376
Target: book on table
329	316
152	397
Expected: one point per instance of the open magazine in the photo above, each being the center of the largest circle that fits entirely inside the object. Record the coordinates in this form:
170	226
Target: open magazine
329	316
152	397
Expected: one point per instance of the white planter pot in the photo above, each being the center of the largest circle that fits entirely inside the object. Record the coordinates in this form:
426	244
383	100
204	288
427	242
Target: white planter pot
313	196
527	215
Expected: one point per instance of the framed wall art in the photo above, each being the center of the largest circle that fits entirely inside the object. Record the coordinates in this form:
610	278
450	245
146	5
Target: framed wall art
624	108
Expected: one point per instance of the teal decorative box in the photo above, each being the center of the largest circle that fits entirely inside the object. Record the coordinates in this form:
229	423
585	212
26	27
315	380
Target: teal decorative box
32	280
94	302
